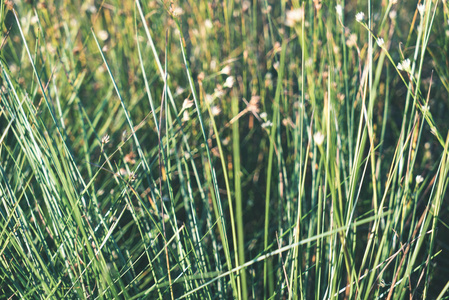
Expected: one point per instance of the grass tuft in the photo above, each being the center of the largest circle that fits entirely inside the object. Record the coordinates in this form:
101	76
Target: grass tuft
224	149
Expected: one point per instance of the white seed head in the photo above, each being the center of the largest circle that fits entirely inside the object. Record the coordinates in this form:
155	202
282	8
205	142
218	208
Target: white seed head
187	104
179	91
177	11
419	179
229	82
34	20
318	137
392	14
380	42
339	10
209	98
226	70
421	8
352	40
208	24
105	139
405	65
132	176
360	16
294	16
267	124
103	35
215	110
185	116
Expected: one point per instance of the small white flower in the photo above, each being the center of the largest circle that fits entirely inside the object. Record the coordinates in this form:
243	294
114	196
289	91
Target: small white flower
294	16
213	64
92	9
226	70
208	24
352	40
215	110
405	65
263	115
268	80
177	11
185	116
229	82
392	14
209	98
218	93
421	8
132	176
434	131
425	109
34	20
122	172
179	91
105	139
380	42
103	35
309	62
393	2
246	5
187	104
419	179
339	10
267	124
318	137
360	16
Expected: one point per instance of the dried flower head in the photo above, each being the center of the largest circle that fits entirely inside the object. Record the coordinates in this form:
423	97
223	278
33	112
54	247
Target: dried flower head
130	158
253	105
9	4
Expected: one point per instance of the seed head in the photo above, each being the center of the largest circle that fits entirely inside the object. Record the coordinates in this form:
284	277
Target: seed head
360	16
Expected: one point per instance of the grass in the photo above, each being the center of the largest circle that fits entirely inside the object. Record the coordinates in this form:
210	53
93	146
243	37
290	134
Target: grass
224	149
